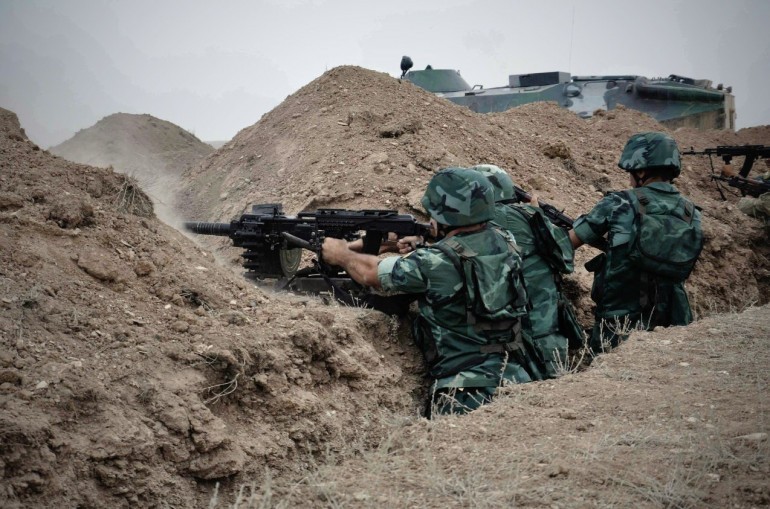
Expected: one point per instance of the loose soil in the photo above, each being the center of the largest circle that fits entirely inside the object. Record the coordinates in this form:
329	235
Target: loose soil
153	151
136	371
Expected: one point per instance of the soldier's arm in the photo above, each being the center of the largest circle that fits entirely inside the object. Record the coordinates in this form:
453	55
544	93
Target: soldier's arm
576	242
592	227
362	268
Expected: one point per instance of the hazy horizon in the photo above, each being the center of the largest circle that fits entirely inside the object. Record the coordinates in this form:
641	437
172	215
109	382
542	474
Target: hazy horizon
215	69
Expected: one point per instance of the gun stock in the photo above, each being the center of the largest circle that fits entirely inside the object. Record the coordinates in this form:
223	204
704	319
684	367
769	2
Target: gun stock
748	187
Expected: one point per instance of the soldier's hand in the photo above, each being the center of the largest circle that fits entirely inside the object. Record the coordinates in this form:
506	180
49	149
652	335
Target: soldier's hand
728	171
390	244
534	201
408	244
333	250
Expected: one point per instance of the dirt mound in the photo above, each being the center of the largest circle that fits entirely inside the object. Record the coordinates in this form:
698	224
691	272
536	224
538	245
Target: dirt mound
355	138
134	371
153	151
671	419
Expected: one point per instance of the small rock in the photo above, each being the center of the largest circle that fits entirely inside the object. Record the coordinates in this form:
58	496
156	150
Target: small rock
41	385
180	326
753	437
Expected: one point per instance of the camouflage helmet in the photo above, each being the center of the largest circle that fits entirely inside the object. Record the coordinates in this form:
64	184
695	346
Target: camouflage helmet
502	185
459	197
650	150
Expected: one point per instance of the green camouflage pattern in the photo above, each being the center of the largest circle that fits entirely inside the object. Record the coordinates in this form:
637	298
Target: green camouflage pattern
550	344
650	150
668	240
758	207
617	282
502	185
459	197
451	344
458	400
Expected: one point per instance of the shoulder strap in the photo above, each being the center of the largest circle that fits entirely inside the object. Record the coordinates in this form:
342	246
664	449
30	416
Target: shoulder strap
451	253
450	249
689	210
642	199
688	206
646	280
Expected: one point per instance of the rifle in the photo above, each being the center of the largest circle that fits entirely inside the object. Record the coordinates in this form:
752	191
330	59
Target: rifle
557	217
273	243
750	153
750	187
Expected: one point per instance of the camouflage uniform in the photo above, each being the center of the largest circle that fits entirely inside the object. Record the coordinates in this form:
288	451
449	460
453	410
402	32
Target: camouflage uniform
618	283
542	281
542	289
464	361
758	207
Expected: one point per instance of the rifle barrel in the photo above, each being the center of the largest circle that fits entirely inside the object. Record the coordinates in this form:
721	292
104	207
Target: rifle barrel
202	228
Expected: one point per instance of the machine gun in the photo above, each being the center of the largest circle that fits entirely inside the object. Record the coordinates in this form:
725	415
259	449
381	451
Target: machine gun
273	243
741	181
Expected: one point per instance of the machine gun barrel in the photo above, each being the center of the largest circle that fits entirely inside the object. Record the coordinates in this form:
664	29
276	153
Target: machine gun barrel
201	228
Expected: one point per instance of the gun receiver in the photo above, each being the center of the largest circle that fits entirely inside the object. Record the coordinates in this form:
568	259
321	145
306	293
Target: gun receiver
727	152
273	241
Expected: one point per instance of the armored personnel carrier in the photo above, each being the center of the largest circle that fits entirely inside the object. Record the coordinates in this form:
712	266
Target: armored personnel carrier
675	101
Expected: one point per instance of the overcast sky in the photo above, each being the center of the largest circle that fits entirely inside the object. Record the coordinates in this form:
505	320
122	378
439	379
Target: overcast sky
214	68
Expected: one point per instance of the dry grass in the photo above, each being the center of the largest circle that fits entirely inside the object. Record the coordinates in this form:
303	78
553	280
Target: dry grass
130	198
625	438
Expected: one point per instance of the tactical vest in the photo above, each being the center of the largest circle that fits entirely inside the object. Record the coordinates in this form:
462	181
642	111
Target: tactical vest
554	248
493	289
667	241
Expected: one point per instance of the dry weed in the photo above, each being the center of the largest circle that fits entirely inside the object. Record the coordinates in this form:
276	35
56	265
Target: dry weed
221	390
131	199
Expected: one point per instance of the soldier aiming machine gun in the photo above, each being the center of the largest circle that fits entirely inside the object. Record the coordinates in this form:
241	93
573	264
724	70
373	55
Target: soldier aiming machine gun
273	243
741	181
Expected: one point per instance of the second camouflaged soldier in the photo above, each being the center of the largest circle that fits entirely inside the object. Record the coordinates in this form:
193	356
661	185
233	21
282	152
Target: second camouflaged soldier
758	207
547	253
470	292
654	236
